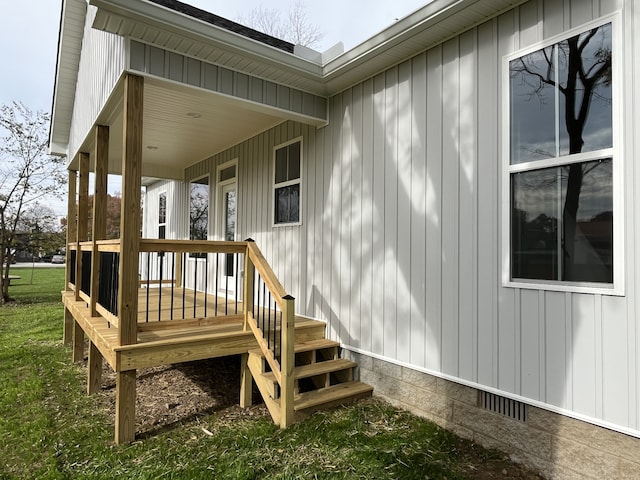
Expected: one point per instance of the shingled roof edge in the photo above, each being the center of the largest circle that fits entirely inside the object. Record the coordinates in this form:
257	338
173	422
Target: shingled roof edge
225	23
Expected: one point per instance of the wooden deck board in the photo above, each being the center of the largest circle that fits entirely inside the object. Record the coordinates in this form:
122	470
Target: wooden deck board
166	341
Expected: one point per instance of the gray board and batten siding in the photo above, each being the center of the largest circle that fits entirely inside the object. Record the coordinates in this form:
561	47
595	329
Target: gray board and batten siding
183	69
399	247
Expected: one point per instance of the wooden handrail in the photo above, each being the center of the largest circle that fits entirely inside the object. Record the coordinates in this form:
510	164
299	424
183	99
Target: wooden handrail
267	274
283	369
191	246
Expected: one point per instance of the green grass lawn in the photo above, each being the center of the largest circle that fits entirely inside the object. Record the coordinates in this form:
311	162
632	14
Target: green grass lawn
50	429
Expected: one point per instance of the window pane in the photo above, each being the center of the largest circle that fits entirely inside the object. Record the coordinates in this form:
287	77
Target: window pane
584	71
534	223
199	210
294	161
162	209
227	173
287	204
581	196
588	222
532	104
281	165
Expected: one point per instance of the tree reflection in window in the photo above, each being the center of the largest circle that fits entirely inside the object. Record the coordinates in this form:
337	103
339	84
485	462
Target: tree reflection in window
199	209
560	105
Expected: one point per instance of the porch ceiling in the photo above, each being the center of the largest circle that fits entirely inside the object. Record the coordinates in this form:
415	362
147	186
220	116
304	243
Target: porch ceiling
182	126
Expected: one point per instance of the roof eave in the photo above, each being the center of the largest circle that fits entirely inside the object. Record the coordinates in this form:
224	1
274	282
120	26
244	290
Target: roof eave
72	19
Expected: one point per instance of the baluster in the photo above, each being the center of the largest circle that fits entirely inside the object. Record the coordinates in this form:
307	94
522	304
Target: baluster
173	281
148	285
161	261
206	282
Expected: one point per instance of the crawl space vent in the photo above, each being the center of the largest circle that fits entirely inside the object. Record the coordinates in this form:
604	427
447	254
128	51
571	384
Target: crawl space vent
503	406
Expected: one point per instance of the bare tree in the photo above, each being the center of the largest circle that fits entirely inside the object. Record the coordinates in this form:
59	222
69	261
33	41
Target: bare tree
27	175
293	27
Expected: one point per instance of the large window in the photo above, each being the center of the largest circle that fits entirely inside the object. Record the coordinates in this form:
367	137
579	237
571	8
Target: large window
560	161
287	184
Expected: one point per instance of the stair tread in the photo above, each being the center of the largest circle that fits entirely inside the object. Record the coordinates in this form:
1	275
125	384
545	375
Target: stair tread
305	346
341	391
318	368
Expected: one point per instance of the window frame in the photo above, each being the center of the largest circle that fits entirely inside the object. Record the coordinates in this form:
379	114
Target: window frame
616	153
287	183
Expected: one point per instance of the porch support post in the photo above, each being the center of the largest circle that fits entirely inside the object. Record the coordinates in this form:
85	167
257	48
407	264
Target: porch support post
83	216
129	251
72	224
99	232
246	382
78	343
72	236
125	407
82	234
99	228
287	361
94	370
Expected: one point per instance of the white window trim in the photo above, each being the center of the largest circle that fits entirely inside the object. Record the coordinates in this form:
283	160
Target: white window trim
286	184
616	153
219	185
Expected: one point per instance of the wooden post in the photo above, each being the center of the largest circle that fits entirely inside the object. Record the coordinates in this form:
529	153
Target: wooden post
178	279
72	236
67	332
72	224
83	216
78	343
94	367
129	251
246	382
99	228
247	290
287	361
125	407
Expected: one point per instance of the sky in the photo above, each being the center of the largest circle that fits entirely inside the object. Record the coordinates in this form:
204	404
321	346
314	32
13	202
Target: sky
29	37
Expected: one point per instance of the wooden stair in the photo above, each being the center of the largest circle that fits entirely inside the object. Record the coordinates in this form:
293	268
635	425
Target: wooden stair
321	379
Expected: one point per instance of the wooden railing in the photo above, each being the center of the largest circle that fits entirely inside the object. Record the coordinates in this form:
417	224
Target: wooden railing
272	308
190	276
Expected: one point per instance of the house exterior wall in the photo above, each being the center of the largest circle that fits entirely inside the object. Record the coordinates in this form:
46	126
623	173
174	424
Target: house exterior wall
102	61
177	226
399	248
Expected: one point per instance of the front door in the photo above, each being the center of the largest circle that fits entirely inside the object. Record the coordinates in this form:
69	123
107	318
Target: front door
227	215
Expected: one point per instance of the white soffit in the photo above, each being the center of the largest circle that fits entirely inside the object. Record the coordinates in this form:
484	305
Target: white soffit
69	47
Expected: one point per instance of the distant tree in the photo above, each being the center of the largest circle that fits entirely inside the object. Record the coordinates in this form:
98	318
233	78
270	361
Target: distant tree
27	176
113	215
294	26
39	232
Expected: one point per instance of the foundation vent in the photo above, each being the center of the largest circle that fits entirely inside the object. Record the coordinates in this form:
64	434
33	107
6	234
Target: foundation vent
503	406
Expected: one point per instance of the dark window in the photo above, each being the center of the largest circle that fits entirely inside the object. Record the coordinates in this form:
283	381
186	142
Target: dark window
562	209
287	184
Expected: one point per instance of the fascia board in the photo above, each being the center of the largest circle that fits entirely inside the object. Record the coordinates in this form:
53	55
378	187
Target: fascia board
179	23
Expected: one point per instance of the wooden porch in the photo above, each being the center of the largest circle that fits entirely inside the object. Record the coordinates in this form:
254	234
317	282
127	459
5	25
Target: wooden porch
148	302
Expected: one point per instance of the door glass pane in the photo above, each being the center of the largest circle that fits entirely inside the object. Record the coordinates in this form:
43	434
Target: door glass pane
230	215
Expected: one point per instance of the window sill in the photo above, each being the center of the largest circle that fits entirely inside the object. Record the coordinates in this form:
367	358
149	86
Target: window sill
569	287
